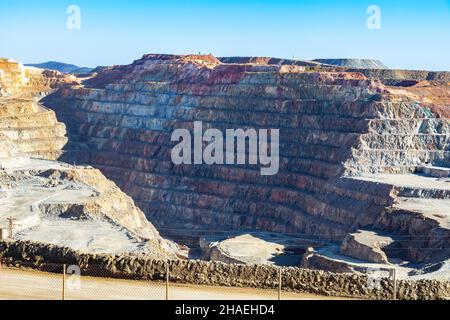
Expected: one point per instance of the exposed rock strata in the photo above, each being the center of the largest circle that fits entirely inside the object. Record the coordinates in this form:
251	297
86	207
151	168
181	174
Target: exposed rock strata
270	60
387	76
332	125
54	202
366	245
397	76
26	127
17	79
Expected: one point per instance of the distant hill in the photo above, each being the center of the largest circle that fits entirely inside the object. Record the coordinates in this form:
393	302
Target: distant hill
83	70
58	66
354	63
99	69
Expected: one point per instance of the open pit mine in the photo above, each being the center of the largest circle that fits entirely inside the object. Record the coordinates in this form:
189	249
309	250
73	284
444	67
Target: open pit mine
43	200
364	163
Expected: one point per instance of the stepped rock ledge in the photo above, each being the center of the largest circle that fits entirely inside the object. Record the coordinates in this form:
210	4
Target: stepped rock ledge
353	146
364	156
51	202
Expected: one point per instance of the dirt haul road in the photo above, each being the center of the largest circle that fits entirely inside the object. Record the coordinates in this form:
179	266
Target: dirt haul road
35	285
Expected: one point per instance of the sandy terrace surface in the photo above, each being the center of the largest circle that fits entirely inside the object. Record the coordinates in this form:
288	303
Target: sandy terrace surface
403	271
436	209
24	193
87	236
407	180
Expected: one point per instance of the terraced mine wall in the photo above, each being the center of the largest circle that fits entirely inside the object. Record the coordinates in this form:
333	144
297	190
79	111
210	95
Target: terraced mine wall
30	130
48	257
331	124
15	78
381	72
395	76
52	201
270	60
26	127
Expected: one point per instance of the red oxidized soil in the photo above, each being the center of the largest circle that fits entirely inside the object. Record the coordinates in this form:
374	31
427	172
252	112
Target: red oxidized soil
436	94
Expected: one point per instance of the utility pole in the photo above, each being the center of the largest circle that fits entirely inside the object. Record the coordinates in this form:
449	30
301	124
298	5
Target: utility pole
11	226
394	276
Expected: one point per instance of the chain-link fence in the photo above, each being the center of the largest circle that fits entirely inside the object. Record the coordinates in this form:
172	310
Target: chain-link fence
69	282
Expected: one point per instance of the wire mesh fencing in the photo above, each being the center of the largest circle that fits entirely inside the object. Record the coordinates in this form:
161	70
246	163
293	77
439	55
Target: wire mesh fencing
70	282
66	282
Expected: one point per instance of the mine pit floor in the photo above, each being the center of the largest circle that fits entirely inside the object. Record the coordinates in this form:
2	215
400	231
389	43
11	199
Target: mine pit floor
404	270
25	192
91	236
407	180
435	209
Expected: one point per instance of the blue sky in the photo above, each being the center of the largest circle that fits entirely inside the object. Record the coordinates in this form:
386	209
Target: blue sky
413	34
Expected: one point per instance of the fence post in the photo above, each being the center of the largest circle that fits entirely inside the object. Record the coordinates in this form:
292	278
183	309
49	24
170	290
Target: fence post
167	280
395	283
64	282
279	282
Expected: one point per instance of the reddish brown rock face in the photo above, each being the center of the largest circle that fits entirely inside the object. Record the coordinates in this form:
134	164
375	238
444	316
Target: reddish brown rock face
331	124
434	94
